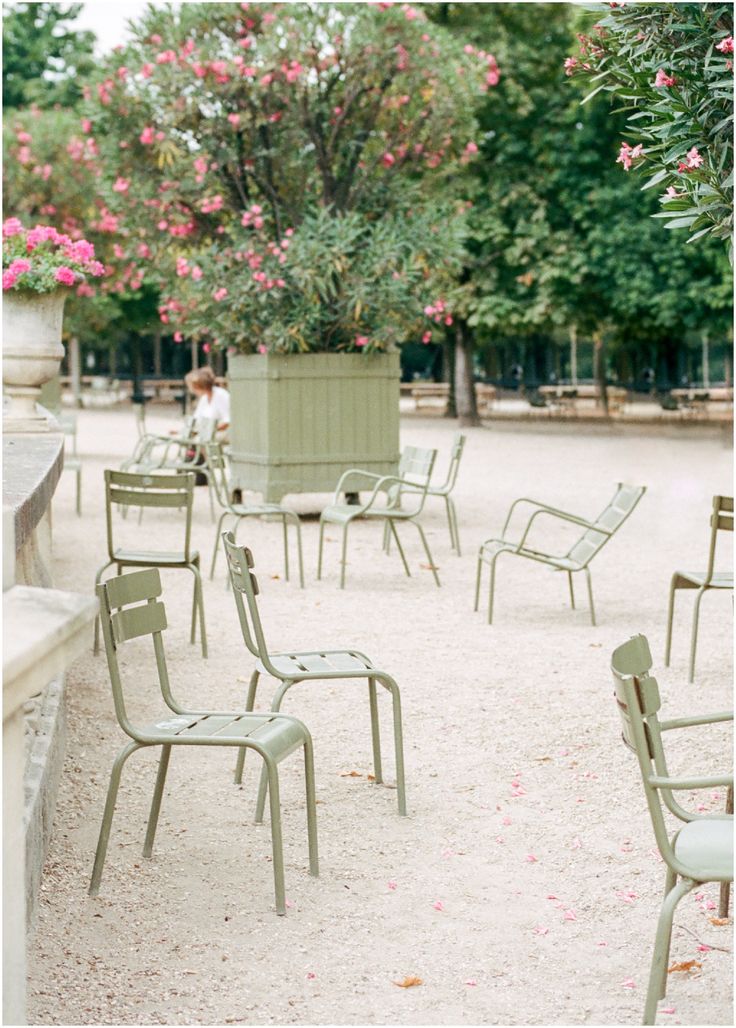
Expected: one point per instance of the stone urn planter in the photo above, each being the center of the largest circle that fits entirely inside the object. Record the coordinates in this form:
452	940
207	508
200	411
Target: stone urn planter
299	420
32	352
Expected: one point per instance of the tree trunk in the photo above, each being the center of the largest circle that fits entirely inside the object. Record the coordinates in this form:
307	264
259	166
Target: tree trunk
157	353
75	370
448	366
467	411
599	368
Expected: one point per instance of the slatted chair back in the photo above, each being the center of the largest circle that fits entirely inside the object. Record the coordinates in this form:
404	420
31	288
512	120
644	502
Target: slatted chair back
245	589
68	424
606	524
218	469
164	490
415	469
721	520
456	453
205	429
130	608
638	701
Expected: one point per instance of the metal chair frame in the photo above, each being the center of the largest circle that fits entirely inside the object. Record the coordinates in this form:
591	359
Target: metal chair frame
702	849
165	490
721	520
291	668
130	608
72	460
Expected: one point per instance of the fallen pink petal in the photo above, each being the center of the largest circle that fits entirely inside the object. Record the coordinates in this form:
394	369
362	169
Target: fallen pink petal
628	983
531	859
470	981
438	905
540	930
391	885
570	915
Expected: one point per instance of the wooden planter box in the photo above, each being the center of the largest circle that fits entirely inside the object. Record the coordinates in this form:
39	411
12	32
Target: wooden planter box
299	420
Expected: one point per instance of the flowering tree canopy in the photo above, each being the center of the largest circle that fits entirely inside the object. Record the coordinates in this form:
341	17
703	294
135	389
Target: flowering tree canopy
671	66
264	162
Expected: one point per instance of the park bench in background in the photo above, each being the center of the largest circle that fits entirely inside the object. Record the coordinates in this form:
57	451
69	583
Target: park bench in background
703	402
435	395
570	399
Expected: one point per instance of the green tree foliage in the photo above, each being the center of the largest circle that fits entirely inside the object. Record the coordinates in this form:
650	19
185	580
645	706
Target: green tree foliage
670	67
288	170
44	58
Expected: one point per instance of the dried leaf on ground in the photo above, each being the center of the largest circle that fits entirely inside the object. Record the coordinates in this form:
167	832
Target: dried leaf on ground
686	965
409	982
350	774
719	921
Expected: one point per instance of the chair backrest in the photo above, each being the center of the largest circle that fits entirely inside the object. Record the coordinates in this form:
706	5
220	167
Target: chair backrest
456	453
638	701
173	490
206	428
245	584
415	470
217	465
68	424
609	520
721	520
130	608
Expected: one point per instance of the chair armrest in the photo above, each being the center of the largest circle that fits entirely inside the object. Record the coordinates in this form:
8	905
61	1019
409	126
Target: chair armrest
699	782
542	507
698	719
354	472
551	512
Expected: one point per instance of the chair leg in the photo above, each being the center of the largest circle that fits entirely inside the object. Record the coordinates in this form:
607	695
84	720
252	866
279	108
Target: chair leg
112	793
426	550
658	972
491	588
98	579
79	492
218	530
298	526
477	579
375	731
158	792
319	551
249	705
311	806
670	616
572	589
694	634
453	512
198	604
725	890
262	785
590	595
277	846
670	882
343	560
386	536
393	688
286	547
395	534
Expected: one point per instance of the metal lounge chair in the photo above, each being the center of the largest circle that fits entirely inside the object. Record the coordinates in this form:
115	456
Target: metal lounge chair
290	668
721	520
217	467
415	470
578	557
702	849
173	491
130	608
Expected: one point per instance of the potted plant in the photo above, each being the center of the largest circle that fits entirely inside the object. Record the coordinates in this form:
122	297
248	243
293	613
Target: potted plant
286	173
40	266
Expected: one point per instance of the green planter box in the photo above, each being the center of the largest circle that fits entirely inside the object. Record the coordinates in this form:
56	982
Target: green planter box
299	420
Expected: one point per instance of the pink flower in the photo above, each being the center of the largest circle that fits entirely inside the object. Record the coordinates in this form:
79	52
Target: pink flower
361	340
206	349
155	38
178	337
96	268
86	126
627	154
570	65
12	227
427	337
311	975
147	70
65	276
694	159
147	135
471	148
165	57
725	45
219	294
673	194
388	160
23	137
122	185
196	273
8	279
234	120
438	905
20	266
663	79
471	981
392	885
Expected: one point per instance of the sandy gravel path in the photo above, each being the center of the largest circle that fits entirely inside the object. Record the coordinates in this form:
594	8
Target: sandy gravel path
522	889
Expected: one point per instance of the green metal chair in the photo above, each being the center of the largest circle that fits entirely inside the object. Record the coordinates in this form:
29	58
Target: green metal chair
72	460
578	557
290	668
415	471
702	849
443	491
721	520
166	490
130	608
217	467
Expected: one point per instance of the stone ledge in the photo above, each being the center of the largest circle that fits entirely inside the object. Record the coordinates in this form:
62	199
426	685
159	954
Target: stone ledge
32	466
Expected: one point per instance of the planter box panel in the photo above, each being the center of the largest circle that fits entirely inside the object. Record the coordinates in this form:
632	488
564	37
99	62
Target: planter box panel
299	421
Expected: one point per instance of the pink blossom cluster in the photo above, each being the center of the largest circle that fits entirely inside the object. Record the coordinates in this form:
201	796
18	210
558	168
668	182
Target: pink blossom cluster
438	312
628	154
252	217
694	160
663	79
49	257
725	45
211	203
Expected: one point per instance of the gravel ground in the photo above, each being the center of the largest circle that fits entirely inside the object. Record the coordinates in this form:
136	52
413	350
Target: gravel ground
523	888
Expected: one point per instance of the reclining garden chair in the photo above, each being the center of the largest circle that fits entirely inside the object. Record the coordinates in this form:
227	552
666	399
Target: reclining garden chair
578	557
129	608
721	520
217	468
174	491
702	849
415	470
290	668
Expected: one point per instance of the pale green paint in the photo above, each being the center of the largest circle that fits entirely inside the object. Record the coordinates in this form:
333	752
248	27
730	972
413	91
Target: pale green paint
299	421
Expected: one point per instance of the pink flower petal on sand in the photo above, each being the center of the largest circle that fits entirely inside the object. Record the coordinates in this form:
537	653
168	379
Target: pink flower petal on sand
289	903
576	843
531	859
470	981
601	944
438	905
552	896
448	853
499	839
540	930
507	820
311	974
666	1010
699	896
710	905
391	885
570	915
628	983
703	948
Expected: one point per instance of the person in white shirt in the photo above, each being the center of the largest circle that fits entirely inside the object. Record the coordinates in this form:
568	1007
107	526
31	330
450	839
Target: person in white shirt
213	401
